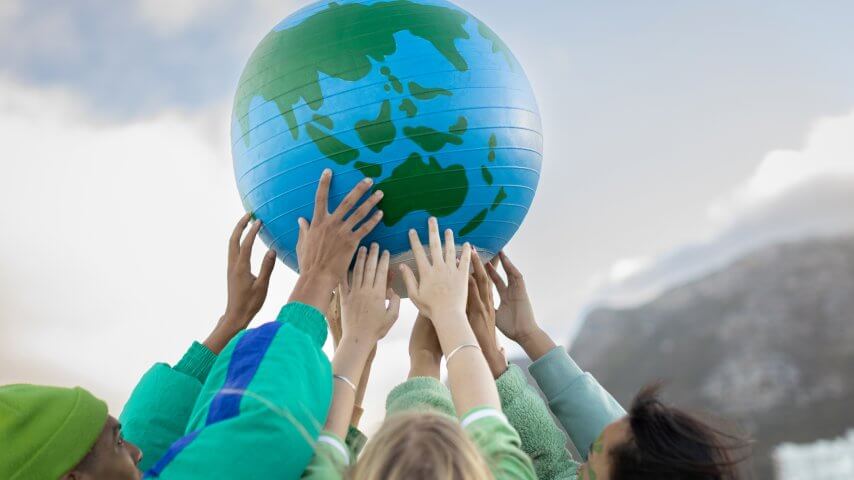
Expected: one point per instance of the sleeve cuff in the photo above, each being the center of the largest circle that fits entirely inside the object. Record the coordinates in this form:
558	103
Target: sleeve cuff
337	445
306	318
197	362
511	384
554	371
480	413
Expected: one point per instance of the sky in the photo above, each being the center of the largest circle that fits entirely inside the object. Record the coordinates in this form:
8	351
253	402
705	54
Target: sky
678	135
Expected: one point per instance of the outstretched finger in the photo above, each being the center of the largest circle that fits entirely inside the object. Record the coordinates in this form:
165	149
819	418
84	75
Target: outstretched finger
246	246
435	242
263	281
512	272
350	200
371	265
381	279
496	279
465	258
364	209
481	278
393	309
234	241
409	280
368	226
450	247
359	268
321	197
418	251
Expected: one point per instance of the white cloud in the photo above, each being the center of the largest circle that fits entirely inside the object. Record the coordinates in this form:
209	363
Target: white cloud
114	240
169	16
791	194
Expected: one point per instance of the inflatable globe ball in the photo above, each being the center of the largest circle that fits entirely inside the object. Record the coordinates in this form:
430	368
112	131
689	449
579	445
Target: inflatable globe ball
419	95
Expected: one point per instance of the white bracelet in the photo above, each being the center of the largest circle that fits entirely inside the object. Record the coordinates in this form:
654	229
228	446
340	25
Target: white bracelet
454	351
345	380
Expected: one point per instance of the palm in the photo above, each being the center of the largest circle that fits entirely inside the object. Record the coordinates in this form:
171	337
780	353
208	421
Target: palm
515	313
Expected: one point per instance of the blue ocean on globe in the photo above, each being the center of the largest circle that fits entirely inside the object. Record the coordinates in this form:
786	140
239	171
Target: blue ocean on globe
419	95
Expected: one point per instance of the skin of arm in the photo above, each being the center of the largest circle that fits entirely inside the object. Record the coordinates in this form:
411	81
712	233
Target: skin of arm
365	319
333	317
440	292
425	352
515	315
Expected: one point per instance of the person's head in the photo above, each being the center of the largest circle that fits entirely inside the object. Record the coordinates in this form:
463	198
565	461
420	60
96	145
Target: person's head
657	441
421	445
63	433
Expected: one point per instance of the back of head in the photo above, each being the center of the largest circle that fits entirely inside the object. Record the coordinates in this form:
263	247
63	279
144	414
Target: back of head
421	446
668	443
50	429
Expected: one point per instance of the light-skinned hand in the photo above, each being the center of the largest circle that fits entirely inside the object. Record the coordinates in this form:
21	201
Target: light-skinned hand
515	315
365	318
442	284
480	311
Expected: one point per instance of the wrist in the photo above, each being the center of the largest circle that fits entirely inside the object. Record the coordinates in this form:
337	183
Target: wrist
537	343
314	289
360	344
497	363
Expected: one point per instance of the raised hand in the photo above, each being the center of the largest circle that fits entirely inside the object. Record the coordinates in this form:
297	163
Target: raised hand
515	315
442	283
326	245
440	293
365	317
480	311
246	292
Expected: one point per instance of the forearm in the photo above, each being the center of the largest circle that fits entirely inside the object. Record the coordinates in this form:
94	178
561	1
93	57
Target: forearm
220	336
349	362
536	343
424	364
471	380
314	289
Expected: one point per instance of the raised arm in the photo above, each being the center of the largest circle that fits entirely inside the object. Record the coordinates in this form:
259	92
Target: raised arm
440	292
581	405
542	439
158	410
268	394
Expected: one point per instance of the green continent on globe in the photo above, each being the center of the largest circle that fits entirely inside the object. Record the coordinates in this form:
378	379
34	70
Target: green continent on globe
433	140
413	185
287	64
378	133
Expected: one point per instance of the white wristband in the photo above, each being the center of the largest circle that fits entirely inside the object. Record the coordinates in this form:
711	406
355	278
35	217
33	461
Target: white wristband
345	380
465	345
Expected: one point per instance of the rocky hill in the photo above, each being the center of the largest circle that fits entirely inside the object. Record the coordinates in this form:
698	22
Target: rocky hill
767	341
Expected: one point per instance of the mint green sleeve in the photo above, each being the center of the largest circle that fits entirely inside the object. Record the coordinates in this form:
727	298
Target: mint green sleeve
331	459
157	412
262	407
420	394
499	443
542	439
581	405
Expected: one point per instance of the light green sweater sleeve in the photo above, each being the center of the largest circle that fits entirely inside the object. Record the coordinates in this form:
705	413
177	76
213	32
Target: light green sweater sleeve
499	443
425	394
541	438
331	459
581	405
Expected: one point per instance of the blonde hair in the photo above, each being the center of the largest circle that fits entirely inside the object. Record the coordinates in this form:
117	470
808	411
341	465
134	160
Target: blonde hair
420	445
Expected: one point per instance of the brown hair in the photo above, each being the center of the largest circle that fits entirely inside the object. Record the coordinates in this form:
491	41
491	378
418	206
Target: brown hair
420	445
668	443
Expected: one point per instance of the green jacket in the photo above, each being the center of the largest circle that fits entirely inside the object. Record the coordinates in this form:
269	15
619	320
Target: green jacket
255	411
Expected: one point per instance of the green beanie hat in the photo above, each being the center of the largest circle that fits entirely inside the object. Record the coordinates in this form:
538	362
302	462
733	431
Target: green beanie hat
46	431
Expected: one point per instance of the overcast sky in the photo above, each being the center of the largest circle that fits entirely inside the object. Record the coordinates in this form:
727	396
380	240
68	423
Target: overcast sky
677	135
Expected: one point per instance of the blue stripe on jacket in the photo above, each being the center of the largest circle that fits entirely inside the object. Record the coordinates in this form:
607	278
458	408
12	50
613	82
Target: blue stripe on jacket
245	360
